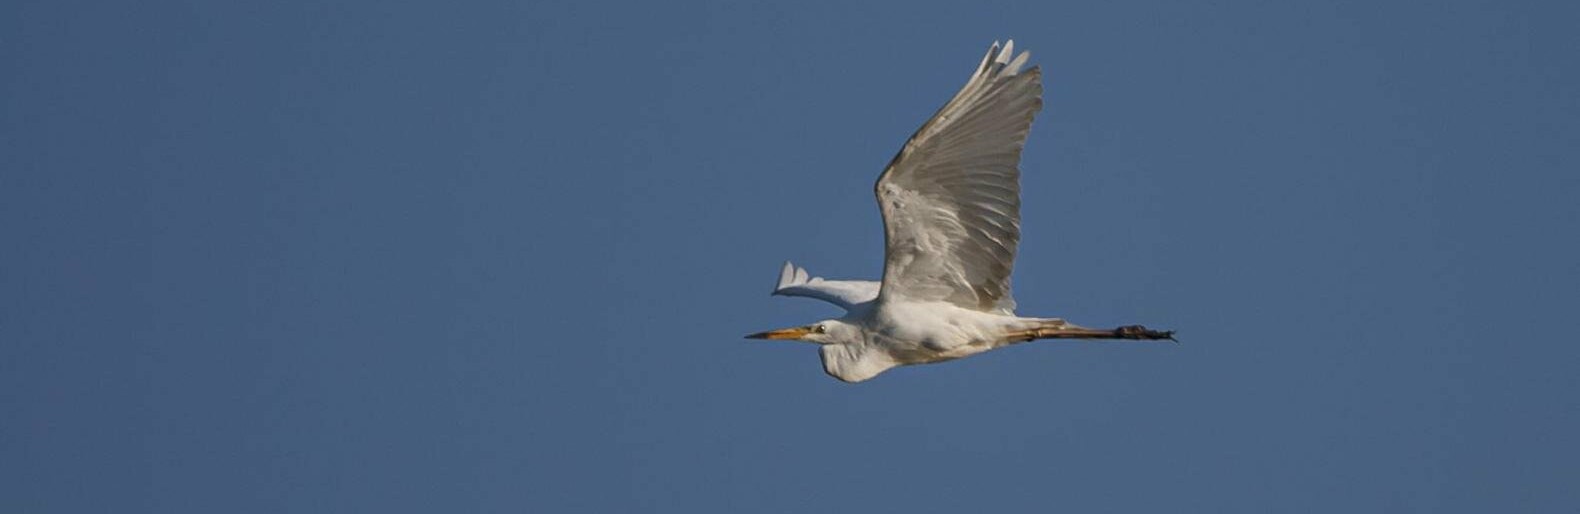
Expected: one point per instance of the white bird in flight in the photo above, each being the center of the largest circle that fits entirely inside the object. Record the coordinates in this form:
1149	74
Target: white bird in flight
951	222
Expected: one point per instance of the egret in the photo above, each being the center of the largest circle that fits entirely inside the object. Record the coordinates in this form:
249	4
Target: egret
950	201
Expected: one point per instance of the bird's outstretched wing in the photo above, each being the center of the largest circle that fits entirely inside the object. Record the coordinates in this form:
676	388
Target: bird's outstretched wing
951	197
795	281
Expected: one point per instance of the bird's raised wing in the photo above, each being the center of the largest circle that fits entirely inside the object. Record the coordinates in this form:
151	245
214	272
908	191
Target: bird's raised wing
795	281
951	197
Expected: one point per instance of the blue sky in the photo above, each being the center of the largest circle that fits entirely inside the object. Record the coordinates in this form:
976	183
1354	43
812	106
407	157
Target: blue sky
498	257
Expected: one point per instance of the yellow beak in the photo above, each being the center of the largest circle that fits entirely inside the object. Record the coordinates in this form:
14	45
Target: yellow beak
783	333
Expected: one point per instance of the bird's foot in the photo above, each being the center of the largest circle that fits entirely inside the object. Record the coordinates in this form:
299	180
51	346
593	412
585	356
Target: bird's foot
1138	332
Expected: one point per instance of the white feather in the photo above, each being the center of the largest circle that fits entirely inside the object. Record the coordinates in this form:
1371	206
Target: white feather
795	281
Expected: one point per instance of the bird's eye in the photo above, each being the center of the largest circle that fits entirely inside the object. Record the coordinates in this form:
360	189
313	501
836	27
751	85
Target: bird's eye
820	329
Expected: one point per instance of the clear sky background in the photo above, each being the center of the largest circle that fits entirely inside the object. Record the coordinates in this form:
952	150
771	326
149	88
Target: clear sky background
376	256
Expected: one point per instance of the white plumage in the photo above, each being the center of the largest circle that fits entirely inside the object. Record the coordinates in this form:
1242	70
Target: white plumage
795	281
951	210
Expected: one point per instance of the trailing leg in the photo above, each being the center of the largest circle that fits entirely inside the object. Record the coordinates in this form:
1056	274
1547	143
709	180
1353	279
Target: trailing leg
1062	330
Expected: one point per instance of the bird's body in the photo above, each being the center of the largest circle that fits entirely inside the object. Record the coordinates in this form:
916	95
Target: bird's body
951	208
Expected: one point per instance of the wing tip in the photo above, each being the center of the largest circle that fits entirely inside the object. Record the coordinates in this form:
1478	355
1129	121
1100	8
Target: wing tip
786	275
987	59
1002	60
790	275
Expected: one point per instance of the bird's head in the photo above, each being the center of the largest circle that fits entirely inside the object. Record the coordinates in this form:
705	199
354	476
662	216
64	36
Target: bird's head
831	331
